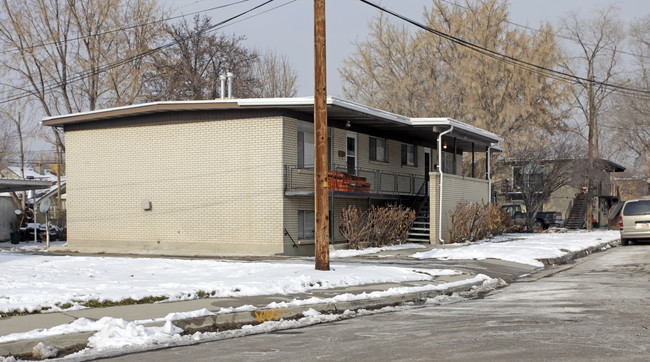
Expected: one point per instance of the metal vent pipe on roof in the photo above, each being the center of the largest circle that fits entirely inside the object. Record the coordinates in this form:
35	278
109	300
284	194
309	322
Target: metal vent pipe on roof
222	91
230	78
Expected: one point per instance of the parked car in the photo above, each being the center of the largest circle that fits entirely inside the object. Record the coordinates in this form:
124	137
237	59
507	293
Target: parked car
542	220
27	232
634	221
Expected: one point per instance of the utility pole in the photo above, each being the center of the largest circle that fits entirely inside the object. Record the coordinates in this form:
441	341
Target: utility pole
321	247
592	152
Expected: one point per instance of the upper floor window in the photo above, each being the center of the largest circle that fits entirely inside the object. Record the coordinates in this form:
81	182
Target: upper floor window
378	149
409	155
448	163
529	177
305	145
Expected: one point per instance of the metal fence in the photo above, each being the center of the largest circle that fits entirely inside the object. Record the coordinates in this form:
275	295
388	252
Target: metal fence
381	182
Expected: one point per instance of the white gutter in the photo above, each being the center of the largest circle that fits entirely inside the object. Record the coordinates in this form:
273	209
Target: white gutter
441	181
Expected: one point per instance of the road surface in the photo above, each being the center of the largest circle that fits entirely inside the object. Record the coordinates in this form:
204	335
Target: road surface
596	309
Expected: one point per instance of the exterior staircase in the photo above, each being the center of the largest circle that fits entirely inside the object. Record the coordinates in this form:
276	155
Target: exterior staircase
576	218
419	232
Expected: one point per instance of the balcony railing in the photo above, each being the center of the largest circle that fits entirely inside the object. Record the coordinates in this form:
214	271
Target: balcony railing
364	181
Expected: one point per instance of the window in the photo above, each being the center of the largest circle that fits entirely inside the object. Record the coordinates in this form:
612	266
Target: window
378	149
409	155
529	177
448	164
305	145
306	224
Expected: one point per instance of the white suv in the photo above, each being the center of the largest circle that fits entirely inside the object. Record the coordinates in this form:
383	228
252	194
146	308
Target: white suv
634	221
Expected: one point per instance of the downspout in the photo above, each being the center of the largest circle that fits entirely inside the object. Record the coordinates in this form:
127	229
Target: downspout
489	177
441	181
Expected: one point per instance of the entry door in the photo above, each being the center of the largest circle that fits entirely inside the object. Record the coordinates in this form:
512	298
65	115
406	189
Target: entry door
351	153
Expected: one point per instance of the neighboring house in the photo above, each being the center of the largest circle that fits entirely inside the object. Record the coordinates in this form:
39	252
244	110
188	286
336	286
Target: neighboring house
35	173
236	176
570	199
8	218
40	173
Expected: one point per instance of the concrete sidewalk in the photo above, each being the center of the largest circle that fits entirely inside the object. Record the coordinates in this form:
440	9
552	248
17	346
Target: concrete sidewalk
220	321
260	312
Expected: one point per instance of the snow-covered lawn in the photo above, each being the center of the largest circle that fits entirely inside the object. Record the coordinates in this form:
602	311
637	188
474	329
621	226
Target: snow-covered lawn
34	282
523	248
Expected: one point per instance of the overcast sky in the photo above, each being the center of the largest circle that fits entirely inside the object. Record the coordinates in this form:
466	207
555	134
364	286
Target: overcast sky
289	28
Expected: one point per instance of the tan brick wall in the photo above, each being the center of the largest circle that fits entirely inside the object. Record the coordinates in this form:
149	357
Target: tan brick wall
455	189
213	185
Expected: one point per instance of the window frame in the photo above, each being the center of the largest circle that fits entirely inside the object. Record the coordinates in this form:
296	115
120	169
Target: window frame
373	150
302	216
405	153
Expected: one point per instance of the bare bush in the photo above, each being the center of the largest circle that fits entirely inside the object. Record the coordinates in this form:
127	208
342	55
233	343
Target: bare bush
379	226
354	226
476	221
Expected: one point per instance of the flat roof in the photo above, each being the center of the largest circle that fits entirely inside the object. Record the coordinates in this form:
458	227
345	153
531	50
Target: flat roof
12	185
338	108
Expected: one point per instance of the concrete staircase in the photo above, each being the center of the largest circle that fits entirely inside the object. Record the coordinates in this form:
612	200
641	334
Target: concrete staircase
419	232
576	218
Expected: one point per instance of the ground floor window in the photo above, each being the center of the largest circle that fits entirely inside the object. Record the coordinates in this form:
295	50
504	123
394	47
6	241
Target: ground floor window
306	224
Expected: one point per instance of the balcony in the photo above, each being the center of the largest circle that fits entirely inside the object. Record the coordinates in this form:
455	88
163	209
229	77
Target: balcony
366	183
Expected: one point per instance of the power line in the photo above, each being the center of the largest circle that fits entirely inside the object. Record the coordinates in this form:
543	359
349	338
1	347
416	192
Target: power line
559	35
538	69
123	28
80	76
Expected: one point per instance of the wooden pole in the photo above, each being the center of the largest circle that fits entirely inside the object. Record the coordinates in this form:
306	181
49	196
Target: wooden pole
321	247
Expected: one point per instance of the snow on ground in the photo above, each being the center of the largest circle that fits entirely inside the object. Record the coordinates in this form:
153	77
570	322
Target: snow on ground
116	336
33	282
523	248
347	253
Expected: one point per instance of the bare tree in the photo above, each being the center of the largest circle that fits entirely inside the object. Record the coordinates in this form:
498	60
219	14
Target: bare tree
629	125
276	76
421	74
75	55
191	68
543	167
390	70
599	39
72	55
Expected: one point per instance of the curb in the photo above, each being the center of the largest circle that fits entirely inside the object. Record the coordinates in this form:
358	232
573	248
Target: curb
70	343
571	256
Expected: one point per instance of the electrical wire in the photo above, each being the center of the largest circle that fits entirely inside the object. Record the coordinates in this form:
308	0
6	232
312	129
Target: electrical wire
538	69
549	33
88	73
129	27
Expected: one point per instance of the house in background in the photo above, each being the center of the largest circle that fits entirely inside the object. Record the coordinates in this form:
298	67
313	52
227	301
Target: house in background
235	177
570	199
42	175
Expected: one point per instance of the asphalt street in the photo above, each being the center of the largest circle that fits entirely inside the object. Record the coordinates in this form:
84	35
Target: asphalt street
594	309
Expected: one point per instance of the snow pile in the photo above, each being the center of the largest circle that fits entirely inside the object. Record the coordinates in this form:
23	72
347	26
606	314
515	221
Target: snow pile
33	282
347	253
118	333
527	249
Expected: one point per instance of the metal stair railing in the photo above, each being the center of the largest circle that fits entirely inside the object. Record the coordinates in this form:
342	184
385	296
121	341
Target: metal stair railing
286	233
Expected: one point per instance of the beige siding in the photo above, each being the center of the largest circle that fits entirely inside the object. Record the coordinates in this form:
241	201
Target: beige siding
215	187
455	189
